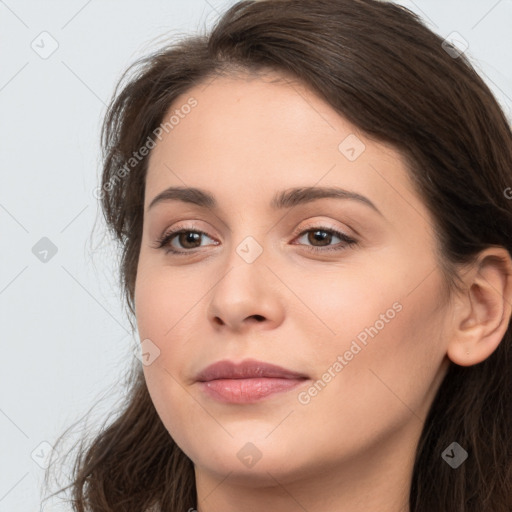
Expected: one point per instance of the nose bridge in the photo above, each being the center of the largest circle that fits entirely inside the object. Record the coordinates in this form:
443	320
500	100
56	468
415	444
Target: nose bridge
250	249
245	267
250	238
244	290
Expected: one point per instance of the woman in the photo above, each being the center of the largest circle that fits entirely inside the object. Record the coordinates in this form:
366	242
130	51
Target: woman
316	233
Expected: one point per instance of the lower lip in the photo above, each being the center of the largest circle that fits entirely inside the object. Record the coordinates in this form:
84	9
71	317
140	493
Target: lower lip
247	390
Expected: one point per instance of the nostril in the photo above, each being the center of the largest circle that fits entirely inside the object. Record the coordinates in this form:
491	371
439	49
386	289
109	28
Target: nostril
259	318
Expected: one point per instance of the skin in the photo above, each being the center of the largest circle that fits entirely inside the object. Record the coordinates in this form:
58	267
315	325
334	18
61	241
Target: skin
351	447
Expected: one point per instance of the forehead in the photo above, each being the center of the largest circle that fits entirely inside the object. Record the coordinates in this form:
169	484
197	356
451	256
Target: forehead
248	136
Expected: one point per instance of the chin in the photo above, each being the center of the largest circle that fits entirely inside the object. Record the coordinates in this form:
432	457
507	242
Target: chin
251	461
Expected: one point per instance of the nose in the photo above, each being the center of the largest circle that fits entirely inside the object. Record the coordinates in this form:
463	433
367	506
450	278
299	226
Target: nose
246	296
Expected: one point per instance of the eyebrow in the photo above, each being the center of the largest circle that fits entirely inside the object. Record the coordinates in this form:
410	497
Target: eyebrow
284	199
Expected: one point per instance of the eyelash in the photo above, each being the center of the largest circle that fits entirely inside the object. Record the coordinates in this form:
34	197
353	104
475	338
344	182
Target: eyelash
166	238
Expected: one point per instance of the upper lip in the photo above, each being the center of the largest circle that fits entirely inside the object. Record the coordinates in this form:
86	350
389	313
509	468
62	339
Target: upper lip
250	368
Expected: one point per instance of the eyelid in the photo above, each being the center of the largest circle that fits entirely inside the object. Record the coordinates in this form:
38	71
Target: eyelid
164	241
297	231
320	224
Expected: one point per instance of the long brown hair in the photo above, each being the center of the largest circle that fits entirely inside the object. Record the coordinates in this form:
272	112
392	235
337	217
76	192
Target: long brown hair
381	68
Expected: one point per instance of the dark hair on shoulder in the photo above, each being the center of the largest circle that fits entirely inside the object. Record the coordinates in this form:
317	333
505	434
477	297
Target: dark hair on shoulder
379	66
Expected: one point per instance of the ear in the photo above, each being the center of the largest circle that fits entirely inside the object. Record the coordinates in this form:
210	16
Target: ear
483	312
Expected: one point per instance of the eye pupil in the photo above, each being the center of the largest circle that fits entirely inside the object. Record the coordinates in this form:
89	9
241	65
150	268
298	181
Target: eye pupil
320	236
189	237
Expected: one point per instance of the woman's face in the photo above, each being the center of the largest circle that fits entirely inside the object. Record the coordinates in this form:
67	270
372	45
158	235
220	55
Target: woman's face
358	321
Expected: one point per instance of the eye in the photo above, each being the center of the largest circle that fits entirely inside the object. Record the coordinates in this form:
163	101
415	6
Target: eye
190	239
187	237
323	236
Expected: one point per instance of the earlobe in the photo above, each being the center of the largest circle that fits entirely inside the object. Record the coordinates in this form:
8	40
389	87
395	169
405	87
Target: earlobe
483	317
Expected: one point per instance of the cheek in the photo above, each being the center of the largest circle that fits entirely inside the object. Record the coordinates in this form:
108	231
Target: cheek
162	301
379	344
391	360
164	309
379	389
181	415
333	310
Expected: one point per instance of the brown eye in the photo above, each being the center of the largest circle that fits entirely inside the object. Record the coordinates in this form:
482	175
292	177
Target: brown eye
323	237
187	239
320	237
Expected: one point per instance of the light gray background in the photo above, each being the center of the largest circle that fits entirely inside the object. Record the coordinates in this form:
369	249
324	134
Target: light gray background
65	337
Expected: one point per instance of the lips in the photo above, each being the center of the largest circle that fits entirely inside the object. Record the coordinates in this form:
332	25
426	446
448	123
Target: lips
247	369
248	381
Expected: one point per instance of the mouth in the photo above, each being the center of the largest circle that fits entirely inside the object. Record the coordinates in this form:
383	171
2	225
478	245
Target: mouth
248	381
